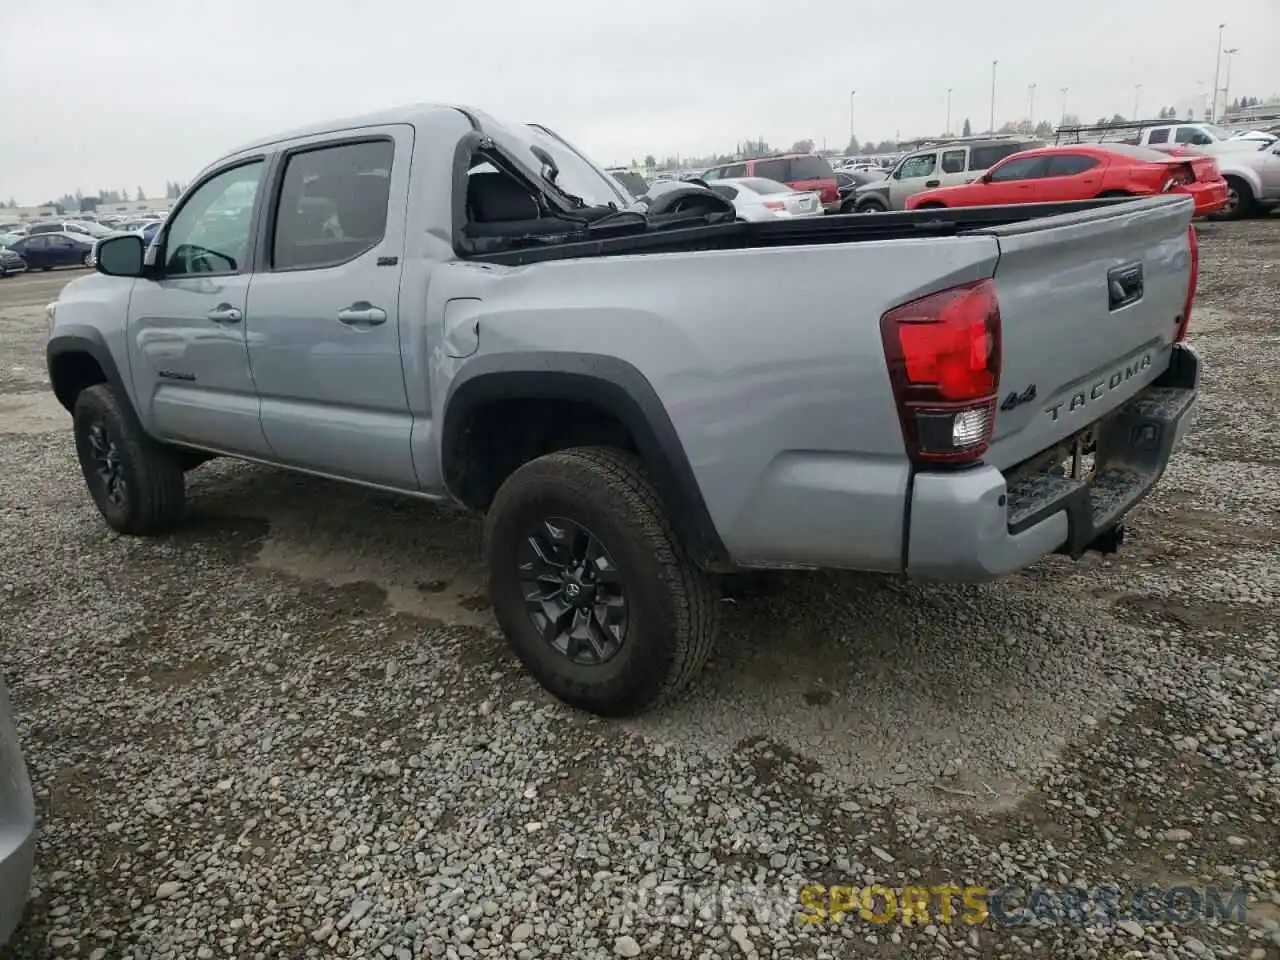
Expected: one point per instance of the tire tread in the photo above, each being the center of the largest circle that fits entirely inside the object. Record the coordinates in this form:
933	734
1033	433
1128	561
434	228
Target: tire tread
160	497
621	475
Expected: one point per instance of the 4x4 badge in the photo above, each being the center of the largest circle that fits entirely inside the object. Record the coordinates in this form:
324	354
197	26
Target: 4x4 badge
1016	399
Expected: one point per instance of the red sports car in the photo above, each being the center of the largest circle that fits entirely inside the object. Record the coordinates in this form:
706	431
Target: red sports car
1083	172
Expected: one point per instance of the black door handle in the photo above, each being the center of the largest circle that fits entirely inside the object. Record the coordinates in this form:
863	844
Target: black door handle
933	183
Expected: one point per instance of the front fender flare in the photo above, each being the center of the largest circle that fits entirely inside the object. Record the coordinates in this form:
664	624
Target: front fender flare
80	338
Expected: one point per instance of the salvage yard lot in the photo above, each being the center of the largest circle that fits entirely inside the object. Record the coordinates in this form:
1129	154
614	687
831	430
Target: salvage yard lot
291	729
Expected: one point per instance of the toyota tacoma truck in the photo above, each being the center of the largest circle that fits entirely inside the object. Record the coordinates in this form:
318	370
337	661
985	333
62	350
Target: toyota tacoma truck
431	302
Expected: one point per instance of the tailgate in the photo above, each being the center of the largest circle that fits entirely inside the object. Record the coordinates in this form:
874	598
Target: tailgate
1089	305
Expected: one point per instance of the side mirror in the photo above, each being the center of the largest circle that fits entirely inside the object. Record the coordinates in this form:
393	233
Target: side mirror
121	256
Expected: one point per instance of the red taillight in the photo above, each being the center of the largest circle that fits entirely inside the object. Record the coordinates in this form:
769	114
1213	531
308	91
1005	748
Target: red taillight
774	205
943	352
1194	246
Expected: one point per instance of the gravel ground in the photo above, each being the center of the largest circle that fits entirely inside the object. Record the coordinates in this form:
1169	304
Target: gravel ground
290	729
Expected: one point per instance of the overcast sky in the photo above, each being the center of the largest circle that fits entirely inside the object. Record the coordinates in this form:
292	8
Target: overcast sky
138	92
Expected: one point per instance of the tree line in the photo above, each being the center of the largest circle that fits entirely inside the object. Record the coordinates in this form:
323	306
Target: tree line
74	202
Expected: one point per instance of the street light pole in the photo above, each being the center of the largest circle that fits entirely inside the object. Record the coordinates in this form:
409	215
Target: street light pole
1137	92
993	95
1063	91
948	130
1213	100
851	93
1031	104
1226	86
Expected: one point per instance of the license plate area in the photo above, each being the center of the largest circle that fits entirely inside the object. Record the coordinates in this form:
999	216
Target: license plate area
1074	458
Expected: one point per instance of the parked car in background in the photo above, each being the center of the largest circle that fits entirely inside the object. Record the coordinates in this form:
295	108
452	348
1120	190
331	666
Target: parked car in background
1253	180
17	824
133	226
79	227
849	180
801	171
631	181
44	251
756	199
1265	136
945	164
1179	135
149	232
11	262
1085	172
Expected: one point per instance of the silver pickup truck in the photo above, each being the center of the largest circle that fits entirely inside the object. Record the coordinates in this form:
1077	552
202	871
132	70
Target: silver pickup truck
431	302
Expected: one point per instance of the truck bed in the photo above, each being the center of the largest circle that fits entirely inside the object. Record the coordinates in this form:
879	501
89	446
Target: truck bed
845	228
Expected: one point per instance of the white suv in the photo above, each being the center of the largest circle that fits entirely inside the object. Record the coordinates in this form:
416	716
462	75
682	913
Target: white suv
944	164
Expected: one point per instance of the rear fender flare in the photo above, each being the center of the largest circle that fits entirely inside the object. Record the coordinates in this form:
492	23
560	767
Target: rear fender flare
617	388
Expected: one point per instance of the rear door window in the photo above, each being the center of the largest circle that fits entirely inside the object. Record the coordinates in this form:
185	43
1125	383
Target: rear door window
810	168
953	161
333	205
725	190
776	169
735	171
1159	136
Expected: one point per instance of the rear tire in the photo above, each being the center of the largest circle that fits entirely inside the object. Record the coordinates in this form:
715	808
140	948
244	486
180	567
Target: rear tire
872	206
1240	201
641	573
135	483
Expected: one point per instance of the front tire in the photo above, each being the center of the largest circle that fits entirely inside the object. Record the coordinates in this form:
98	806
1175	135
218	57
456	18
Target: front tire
591	585
136	484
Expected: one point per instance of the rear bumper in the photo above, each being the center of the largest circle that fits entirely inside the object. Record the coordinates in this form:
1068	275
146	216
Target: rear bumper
1208	197
981	524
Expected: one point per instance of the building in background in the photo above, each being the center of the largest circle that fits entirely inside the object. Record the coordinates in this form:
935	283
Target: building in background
134	206
27	214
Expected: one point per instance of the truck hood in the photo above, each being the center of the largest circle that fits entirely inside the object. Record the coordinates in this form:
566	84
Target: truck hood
874	187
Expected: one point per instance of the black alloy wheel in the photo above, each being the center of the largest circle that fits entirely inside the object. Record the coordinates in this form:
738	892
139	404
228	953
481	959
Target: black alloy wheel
573	591
135	483
592	587
107	473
